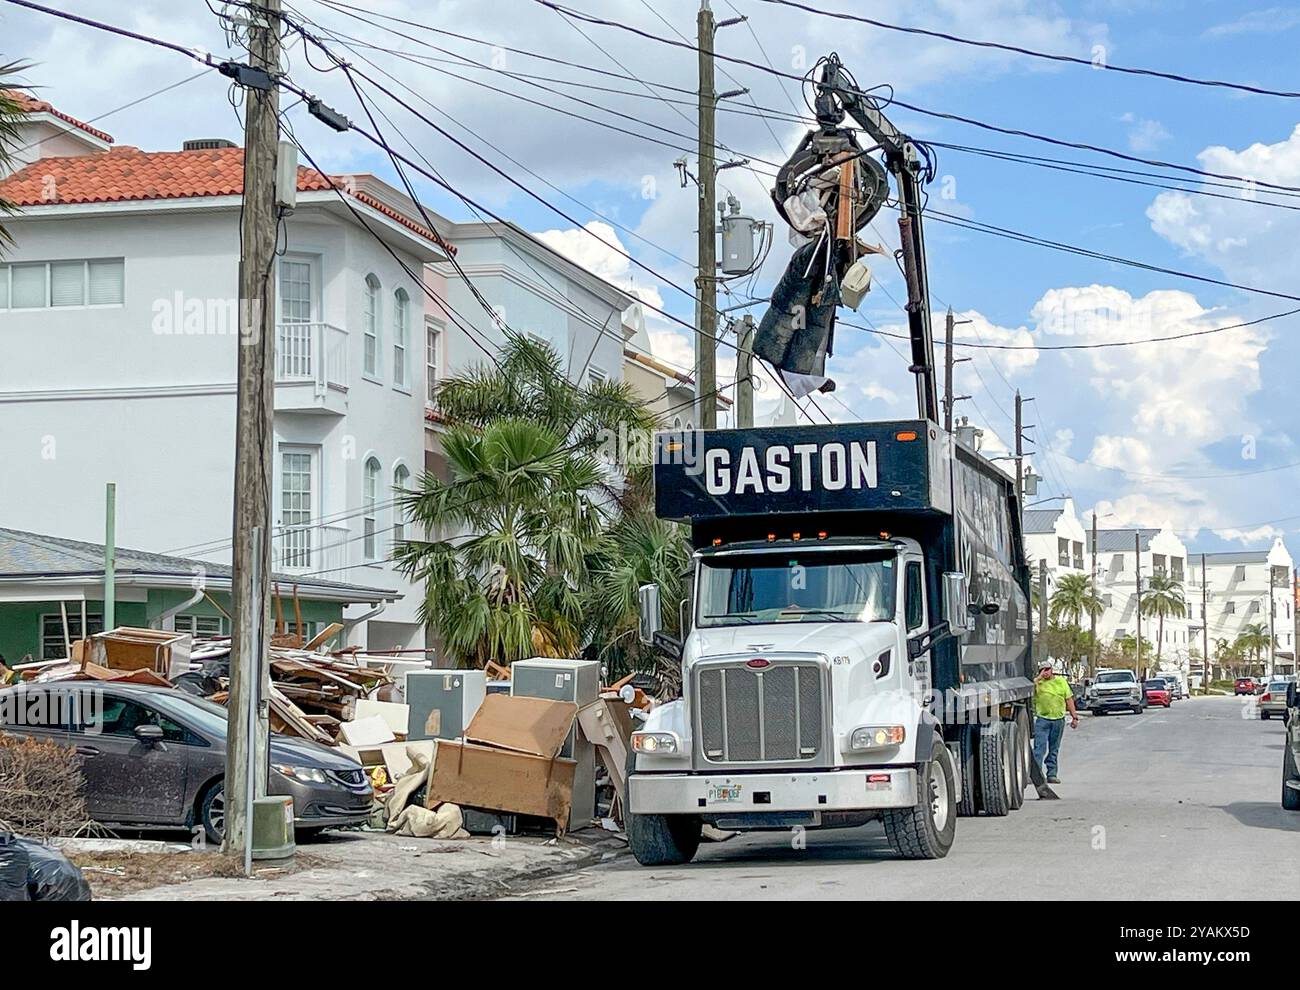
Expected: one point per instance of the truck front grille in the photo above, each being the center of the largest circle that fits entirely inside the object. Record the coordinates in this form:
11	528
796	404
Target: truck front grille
772	714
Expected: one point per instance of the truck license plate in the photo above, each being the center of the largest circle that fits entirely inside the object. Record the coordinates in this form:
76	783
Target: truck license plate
724	793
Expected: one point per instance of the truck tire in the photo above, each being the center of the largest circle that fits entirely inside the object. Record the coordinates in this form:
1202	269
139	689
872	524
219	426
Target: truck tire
1016	760
927	829
1026	723
995	771
1290	796
968	802
661	840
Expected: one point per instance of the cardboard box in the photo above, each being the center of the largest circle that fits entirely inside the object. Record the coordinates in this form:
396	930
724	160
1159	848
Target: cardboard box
509	760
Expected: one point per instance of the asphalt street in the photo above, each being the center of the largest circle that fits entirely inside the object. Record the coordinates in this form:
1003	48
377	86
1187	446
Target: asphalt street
1171	804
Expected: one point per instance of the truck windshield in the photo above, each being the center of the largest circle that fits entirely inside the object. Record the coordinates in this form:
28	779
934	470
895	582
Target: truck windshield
822	586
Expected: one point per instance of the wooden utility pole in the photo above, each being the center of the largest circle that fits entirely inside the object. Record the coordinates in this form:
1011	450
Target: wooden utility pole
949	362
1205	631
1042	608
745	375
1092	613
1020	459
706	313
1272	627
254	435
1137	585
947	372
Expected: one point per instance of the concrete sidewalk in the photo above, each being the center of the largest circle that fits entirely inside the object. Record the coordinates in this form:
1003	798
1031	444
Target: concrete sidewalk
371	866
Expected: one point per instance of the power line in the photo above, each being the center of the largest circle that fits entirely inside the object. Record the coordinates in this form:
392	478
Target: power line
1015	235
434	177
1100	345
1032	53
893	100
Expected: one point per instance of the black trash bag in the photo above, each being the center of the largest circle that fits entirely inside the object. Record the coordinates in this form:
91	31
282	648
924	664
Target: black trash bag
795	332
51	876
14	863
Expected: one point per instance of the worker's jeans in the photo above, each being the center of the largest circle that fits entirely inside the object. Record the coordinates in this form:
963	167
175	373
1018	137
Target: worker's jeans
1047	742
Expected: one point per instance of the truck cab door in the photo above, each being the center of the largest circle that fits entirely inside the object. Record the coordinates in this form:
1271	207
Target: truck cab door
916	622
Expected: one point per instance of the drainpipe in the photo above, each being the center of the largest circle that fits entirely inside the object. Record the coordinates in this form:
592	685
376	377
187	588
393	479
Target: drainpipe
350	624
110	557
171	613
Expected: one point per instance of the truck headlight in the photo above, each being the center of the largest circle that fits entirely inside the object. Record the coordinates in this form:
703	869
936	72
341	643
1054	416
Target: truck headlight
655	743
877	736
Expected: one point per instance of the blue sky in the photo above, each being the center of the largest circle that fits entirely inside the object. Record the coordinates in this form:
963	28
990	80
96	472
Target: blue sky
1167	414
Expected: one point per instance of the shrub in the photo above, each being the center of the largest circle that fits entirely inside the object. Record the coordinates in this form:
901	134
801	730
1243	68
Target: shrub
41	788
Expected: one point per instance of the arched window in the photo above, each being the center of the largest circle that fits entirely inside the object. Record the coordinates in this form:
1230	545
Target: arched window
370	327
401	482
370	505
401	319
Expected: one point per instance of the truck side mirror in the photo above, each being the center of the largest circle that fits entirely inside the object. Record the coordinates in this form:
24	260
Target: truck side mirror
651	614
1291	700
955	595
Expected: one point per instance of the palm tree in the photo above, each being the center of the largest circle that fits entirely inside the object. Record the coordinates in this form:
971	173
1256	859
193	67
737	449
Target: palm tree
11	115
529	496
1163	597
1254	639
1074	598
637	549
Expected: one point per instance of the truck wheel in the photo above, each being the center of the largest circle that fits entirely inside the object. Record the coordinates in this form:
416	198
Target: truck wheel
1016	762
926	830
661	840
968	801
995	771
1026	726
1290	796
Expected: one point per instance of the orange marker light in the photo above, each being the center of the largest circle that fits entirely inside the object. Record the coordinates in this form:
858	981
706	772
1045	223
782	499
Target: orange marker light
905	435
717	541
821	535
796	535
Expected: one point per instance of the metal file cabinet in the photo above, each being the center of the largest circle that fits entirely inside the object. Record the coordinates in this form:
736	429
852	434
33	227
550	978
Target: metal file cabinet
442	702
566	680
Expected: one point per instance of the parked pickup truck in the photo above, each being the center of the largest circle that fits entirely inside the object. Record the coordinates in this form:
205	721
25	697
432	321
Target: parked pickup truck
856	644
1116	690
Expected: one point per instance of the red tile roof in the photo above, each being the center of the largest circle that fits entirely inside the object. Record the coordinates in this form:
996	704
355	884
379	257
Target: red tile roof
30	104
128	174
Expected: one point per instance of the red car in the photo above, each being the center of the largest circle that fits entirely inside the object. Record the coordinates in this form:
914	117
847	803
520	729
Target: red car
1244	685
1156	692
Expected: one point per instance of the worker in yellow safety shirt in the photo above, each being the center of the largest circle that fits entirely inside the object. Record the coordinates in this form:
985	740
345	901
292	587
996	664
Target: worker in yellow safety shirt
1053	697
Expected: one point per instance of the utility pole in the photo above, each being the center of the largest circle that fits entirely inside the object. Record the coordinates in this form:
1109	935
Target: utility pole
1205	631
1137	583
1092	614
745	375
1272	628
706	313
254	435
110	561
1042	607
950	400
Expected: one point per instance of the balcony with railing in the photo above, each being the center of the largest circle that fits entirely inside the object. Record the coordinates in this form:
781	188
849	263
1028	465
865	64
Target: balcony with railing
311	368
320	550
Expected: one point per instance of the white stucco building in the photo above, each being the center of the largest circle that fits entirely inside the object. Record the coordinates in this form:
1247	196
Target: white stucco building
1238	586
1123	555
118	309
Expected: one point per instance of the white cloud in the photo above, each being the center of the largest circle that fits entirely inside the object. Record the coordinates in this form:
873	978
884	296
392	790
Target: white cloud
1271	20
1144	135
1252	244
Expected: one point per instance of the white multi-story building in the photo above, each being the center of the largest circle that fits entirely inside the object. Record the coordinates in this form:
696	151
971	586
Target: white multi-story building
118	309
1244	588
1122	556
1057	537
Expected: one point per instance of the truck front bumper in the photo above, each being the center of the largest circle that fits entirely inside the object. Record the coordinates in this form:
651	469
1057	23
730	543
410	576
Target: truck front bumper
820	790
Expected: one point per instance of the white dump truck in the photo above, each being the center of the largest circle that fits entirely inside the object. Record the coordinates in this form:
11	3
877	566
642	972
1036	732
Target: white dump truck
855	644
